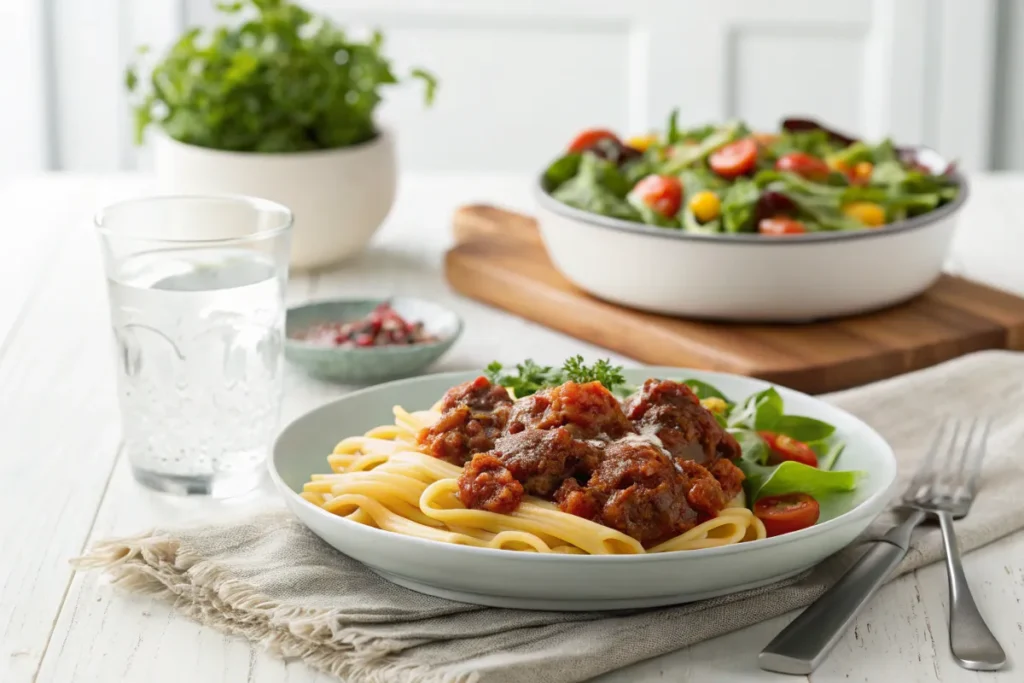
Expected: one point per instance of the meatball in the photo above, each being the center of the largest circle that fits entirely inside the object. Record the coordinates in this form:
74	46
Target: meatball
704	493
579	500
642	493
673	413
729	476
542	459
479	394
485	484
588	411
473	416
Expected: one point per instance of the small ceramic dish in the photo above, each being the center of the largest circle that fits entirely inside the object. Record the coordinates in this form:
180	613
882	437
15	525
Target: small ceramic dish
369	365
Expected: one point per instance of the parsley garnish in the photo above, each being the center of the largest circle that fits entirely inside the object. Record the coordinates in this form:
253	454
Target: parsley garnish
530	377
602	371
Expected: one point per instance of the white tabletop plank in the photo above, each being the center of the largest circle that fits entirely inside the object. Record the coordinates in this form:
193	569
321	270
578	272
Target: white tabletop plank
146	639
155	649
33	225
60	439
57	402
904	629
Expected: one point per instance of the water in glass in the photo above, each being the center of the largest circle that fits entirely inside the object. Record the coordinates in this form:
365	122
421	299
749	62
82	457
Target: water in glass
199	337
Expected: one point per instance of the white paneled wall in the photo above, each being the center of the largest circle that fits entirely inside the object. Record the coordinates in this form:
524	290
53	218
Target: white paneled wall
24	130
1008	146
519	77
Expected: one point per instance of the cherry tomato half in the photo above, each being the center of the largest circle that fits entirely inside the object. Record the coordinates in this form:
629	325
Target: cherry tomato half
591	137
787	448
780	225
734	159
663	193
803	165
788	513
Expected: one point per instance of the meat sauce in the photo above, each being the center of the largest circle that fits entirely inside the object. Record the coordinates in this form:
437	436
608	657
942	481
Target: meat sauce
640	492
673	413
587	411
473	416
651	468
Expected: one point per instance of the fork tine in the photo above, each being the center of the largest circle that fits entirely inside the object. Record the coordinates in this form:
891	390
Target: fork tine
966	452
941	481
975	471
925	470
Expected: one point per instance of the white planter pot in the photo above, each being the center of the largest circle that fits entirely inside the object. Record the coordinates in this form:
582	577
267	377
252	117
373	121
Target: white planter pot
339	196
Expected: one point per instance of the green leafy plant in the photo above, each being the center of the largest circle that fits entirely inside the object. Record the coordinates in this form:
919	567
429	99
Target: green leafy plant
278	79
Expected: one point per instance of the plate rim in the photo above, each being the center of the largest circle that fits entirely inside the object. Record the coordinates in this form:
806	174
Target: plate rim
874	502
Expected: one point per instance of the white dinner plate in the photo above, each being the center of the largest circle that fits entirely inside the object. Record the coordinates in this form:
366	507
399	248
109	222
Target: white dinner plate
505	578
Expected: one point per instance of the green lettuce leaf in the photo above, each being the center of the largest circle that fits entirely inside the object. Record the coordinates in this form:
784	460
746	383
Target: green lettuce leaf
705	390
888	173
649	215
764	479
854	154
814	142
794	477
739	206
884	151
828	454
759	412
688	154
806	429
691	224
672	130
698	179
598	187
561	170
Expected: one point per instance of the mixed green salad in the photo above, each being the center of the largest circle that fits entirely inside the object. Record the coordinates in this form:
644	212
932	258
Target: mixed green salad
789	461
729	179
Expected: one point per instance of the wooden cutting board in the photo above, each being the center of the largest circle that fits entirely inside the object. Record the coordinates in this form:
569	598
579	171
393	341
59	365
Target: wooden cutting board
499	259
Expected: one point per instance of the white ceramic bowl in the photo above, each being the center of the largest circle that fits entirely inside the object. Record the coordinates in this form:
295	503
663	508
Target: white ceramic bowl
573	582
748	277
339	196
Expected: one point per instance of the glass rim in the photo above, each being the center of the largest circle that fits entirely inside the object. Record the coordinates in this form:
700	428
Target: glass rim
257	203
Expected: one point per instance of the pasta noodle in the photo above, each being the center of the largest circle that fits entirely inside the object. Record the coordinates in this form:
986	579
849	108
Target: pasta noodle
381	479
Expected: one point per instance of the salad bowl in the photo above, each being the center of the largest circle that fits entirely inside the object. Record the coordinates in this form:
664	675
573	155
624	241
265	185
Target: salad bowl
747	276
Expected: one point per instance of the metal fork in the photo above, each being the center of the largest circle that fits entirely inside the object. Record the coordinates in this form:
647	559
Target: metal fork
944	491
944	485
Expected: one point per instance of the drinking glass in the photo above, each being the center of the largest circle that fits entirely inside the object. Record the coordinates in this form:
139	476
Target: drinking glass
196	289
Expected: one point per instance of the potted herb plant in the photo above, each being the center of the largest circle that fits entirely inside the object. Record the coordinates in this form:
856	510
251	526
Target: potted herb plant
279	104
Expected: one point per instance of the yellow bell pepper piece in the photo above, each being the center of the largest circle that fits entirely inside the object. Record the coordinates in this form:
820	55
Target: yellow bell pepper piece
705	206
837	165
862	171
868	213
642	142
714	404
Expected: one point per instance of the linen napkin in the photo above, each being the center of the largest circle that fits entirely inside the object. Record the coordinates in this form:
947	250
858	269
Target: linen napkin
270	580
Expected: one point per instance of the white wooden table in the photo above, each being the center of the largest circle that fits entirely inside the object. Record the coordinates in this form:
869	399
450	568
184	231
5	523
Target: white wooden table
64	483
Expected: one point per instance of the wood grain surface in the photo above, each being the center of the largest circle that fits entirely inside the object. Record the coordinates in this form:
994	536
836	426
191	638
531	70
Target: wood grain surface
499	259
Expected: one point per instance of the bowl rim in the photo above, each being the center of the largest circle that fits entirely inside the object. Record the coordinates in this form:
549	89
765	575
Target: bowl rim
549	203
390	348
875	502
